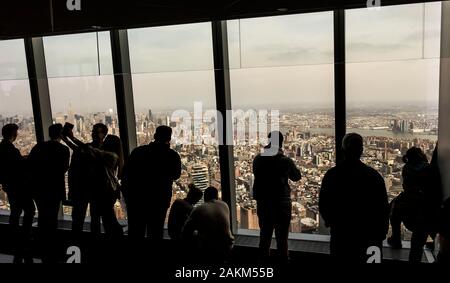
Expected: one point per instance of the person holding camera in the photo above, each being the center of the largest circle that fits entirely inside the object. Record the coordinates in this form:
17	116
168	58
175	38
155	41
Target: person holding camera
93	179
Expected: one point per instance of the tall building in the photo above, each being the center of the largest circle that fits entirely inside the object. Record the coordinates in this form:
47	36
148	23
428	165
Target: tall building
150	115
200	176
248	218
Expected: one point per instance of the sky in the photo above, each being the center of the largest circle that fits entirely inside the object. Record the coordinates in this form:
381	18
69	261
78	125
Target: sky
276	62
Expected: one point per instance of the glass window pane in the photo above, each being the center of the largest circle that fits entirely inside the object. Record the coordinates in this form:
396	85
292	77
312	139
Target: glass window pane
13	64
171	71
78	93
85	54
157	49
15	98
287	65
392	95
393	33
281	41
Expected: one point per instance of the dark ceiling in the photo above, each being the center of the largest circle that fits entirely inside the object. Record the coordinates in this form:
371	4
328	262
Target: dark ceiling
21	18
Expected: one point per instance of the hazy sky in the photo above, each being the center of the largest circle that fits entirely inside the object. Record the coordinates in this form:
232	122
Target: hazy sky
285	61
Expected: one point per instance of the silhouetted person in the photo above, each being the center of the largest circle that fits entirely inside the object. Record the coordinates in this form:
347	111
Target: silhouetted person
417	206
180	210
147	185
444	233
12	170
271	190
82	181
104	186
108	190
49	161
208	229
354	204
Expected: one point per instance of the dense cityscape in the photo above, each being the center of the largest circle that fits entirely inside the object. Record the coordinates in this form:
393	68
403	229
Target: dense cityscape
309	141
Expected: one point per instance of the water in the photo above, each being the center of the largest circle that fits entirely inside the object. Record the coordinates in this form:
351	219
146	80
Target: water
377	133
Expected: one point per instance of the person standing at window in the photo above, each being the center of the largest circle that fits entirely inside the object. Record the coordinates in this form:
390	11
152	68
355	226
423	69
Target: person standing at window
82	179
147	185
271	190
353	202
12	172
49	162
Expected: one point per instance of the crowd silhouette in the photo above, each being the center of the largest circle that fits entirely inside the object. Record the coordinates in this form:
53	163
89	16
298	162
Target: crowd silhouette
99	175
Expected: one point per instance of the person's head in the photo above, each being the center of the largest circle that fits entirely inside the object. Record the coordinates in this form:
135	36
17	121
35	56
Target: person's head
194	194
113	143
99	132
55	131
352	145
276	138
211	193
414	155
163	134
10	132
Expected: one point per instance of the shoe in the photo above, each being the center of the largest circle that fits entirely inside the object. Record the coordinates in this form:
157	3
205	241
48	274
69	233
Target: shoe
395	244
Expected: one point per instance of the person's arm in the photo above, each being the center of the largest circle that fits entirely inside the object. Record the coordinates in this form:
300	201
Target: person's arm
383	207
66	160
72	141
177	167
189	227
294	172
127	172
69	143
325	199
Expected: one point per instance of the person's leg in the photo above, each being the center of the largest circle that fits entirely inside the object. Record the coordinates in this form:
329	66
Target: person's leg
266	227
157	221
51	242
395	218
418	240
29	211
137	226
95	212
14	223
137	222
112	227
282	231
44	220
79	208
16	211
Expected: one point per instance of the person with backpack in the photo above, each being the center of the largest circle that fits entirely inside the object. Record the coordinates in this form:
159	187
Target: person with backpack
417	206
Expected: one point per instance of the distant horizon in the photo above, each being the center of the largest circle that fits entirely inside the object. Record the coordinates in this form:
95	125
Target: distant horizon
423	106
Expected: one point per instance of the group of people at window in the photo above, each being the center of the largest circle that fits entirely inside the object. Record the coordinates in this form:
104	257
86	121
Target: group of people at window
353	200
94	171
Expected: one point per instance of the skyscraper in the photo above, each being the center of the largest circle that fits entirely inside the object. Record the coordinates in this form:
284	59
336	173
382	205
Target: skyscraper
200	177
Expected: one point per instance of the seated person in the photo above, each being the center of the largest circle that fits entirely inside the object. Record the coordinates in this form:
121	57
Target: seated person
207	229
180	211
